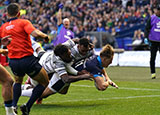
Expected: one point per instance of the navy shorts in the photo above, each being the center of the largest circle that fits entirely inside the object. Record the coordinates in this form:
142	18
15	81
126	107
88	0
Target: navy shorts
27	65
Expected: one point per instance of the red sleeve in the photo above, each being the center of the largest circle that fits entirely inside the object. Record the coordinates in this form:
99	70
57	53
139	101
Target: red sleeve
28	27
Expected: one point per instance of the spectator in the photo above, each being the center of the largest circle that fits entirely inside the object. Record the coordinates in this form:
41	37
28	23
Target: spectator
100	28
152	33
88	13
63	32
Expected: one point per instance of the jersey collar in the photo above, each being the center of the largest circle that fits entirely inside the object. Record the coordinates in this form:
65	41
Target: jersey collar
99	60
12	19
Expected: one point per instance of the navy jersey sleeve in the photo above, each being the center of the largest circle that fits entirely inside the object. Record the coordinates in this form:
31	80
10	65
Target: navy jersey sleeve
94	69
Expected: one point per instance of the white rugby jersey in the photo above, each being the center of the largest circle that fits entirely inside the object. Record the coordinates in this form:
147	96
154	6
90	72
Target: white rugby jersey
52	63
74	51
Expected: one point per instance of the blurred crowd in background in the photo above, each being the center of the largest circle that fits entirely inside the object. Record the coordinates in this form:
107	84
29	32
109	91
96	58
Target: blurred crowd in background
111	16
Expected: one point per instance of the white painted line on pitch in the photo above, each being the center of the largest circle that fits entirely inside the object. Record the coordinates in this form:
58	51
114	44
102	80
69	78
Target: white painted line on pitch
101	99
141	89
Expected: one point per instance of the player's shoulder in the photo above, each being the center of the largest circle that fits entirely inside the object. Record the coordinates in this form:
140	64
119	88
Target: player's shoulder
74	49
92	61
23	21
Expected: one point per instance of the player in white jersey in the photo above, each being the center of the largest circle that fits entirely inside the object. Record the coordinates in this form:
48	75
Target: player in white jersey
82	50
54	64
58	63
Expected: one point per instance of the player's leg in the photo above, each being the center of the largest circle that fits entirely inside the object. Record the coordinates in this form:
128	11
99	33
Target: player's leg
50	89
27	88
17	91
42	79
18	76
7	91
153	51
47	92
55	85
64	90
100	83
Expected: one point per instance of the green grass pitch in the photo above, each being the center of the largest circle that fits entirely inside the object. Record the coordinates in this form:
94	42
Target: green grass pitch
138	94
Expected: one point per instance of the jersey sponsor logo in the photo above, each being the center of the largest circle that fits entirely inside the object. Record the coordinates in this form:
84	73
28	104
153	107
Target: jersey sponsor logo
158	25
157	30
10	27
67	37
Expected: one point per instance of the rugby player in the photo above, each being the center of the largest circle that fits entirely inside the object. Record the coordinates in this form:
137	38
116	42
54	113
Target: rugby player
96	64
58	63
6	81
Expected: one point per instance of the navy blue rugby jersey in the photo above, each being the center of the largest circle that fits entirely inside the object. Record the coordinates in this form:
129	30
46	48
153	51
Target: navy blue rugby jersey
93	65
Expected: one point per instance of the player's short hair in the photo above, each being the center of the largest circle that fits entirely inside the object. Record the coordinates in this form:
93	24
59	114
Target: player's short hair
107	51
65	19
84	41
60	50
13	9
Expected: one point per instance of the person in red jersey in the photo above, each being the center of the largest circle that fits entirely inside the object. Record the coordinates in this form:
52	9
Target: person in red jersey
22	60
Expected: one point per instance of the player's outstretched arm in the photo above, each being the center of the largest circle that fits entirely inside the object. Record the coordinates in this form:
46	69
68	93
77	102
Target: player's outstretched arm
69	78
113	84
108	79
100	83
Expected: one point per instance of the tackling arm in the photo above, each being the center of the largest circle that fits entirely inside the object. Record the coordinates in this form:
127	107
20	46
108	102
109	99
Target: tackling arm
69	78
71	70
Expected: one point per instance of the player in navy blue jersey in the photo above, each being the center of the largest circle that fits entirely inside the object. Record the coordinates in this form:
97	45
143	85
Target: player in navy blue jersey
96	64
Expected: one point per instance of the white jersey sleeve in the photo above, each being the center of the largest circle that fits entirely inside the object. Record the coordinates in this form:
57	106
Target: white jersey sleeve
69	43
52	64
77	56
60	68
71	70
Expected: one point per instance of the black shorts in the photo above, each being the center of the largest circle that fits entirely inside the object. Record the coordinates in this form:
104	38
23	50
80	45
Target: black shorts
27	65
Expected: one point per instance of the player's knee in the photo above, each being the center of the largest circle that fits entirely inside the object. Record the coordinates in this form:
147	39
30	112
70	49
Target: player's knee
63	92
45	83
8	83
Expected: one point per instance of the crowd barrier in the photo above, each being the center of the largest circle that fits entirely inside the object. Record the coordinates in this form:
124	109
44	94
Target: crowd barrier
133	58
126	58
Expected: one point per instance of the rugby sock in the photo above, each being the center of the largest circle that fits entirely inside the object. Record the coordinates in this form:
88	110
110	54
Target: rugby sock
16	93
8	103
27	92
37	92
9	108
